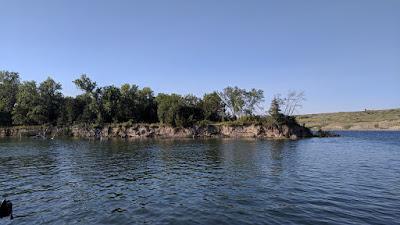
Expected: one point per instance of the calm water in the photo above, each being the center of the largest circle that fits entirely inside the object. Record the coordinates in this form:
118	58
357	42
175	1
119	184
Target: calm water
354	179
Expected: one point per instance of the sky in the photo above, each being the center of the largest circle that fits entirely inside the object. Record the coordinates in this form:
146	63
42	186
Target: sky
344	54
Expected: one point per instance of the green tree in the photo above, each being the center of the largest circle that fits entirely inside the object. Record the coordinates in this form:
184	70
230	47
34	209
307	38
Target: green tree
275	111
110	102
90	100
85	84
191	100
70	111
129	103
253	99
168	106
213	107
28	104
147	106
240	102
9	82
233	99
50	100
190	112
27	109
176	110
187	115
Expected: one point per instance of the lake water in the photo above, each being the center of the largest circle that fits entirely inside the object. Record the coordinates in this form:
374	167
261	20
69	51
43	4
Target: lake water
353	179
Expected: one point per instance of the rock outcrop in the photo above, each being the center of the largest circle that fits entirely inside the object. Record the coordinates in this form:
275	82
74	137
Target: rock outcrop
161	131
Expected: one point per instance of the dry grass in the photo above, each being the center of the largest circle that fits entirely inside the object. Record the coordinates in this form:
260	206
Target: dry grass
363	120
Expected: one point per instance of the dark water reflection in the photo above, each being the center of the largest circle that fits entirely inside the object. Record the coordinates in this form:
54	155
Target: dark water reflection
354	179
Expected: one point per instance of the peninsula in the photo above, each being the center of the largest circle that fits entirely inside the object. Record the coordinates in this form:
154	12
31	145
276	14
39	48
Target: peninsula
28	109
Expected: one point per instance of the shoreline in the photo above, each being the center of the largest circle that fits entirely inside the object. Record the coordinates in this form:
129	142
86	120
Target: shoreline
148	131
361	130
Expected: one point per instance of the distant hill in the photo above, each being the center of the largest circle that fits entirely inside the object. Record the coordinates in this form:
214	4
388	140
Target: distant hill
363	120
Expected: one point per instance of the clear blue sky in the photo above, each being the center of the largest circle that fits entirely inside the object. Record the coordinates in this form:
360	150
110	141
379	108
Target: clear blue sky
345	54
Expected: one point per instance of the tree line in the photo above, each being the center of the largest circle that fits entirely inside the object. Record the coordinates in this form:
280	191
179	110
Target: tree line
29	103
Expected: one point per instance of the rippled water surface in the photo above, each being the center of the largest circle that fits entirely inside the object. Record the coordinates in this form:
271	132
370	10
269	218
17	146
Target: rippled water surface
353	179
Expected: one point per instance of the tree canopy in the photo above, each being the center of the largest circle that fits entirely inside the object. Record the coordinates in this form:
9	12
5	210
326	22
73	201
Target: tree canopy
9	83
240	102
29	103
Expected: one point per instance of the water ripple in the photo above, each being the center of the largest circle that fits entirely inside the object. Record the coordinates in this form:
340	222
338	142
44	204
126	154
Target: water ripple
354	179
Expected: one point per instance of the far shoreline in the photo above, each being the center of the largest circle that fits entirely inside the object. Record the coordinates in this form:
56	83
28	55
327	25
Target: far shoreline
361	130
376	120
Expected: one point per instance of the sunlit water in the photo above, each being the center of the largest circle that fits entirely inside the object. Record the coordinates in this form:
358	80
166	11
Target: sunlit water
353	179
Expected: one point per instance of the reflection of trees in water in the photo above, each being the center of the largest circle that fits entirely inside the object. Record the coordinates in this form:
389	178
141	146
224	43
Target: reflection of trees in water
189	166
172	152
282	153
240	161
213	151
189	150
239	152
277	148
276	154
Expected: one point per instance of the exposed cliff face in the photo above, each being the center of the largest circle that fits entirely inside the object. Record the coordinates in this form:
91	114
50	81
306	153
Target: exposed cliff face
147	131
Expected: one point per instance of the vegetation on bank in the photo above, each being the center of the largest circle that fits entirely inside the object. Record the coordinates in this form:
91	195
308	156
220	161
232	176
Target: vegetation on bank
362	120
30	104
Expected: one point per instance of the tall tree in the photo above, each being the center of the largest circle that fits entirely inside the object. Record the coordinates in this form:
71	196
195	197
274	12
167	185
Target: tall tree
240	102
90	99
147	106
233	99
27	109
110	102
168	106
28	104
188	115
9	82
50	99
192	100
213	107
129	103
70	111
291	102
275	111
253	99
85	84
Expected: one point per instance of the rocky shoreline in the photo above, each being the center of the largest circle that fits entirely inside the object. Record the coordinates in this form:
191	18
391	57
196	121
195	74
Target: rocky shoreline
138	131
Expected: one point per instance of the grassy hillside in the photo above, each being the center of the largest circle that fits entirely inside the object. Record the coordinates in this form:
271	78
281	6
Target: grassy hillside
363	120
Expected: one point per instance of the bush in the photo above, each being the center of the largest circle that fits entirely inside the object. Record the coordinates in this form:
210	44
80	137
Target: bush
245	120
204	123
187	116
